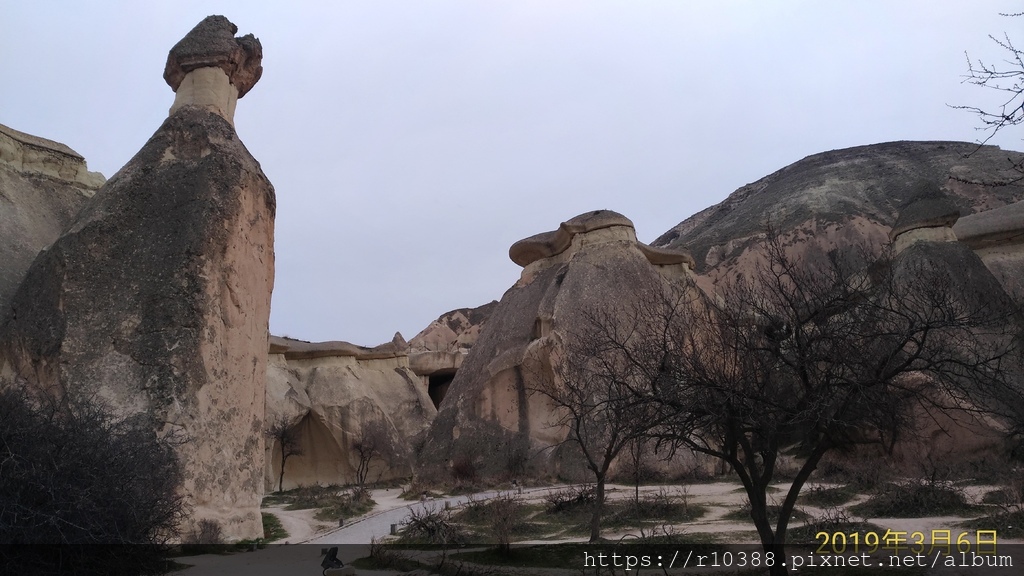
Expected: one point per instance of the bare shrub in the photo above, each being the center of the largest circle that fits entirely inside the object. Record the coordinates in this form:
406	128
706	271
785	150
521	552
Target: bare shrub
571	498
506	513
430	525
914	498
501	516
74	475
287	439
375	442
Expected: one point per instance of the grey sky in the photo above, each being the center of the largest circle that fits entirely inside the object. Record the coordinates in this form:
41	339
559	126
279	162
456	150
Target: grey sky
411	143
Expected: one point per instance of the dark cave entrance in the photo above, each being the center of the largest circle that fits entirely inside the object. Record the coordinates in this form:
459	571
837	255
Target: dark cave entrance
437	385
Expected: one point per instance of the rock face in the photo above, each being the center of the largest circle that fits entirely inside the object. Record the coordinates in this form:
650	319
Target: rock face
43	185
921	196
924	241
437	352
997	236
489	423
330	394
843	196
157	300
210	67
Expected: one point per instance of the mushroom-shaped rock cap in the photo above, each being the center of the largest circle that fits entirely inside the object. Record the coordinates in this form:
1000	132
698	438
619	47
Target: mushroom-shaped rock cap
927	207
548	244
667	256
212	44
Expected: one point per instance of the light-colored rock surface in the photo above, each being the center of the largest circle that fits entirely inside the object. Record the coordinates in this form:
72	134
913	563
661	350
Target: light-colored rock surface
212	44
929	234
211	68
997	236
489	421
928	216
329	392
848	195
157	300
43	185
32	155
437	352
209	88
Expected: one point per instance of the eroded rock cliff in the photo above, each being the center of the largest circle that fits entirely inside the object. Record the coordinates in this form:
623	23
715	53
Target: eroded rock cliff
842	196
157	300
332	395
43	185
490	423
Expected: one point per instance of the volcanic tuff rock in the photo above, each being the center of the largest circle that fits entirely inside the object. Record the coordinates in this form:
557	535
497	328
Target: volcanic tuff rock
437	352
212	44
842	196
43	184
209	67
490	422
157	299
329	393
927	251
997	236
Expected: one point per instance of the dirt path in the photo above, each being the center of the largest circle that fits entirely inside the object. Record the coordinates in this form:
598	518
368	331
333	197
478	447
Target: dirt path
300	524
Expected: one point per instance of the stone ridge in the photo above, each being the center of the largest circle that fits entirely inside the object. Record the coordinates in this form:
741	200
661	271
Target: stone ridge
999	225
925	213
826	190
299	349
39	142
212	44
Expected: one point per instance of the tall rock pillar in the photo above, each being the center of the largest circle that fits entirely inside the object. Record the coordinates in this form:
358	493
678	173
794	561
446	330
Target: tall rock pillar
157	299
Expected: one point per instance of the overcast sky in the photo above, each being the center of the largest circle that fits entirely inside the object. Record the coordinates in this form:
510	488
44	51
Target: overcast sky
411	143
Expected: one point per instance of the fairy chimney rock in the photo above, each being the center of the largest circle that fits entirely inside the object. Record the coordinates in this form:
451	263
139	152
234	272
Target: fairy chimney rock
594	227
928	215
155	298
210	67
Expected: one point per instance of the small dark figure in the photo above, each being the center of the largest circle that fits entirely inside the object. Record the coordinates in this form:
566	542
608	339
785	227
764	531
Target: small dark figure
331	560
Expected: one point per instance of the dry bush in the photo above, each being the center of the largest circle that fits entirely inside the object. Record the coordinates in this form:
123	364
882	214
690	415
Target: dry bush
429	525
81	490
914	498
571	498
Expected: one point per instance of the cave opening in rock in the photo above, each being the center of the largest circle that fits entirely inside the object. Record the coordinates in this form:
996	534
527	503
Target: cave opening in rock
437	385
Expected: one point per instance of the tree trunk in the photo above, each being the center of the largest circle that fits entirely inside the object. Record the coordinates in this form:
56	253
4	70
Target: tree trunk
777	568
595	519
280	479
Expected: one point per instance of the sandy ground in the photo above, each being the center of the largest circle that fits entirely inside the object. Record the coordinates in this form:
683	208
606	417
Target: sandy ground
719	497
300	524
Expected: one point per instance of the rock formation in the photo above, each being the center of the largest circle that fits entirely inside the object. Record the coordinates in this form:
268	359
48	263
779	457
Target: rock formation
997	236
841	196
330	394
489	422
926	246
437	352
911	194
157	298
209	67
43	185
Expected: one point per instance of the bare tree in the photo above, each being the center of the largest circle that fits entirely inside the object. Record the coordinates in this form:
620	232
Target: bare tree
374	442
287	439
805	356
1007	78
82	490
591	386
